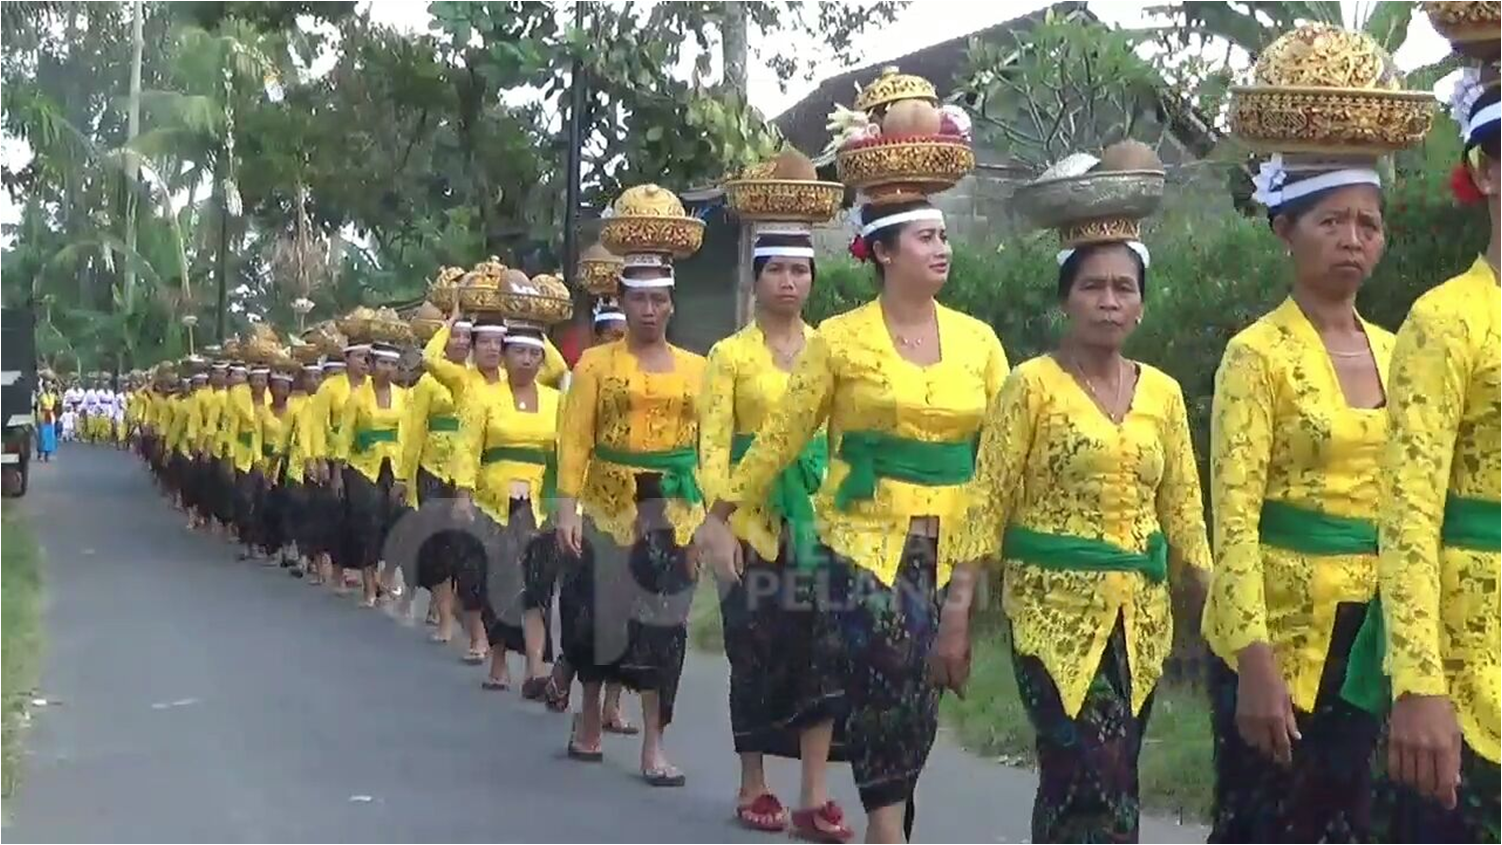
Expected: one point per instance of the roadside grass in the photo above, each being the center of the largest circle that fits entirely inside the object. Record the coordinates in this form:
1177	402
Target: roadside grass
20	637
1176	769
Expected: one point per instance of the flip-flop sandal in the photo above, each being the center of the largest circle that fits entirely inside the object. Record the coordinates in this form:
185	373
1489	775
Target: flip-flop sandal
493	684
533	689
475	658
556	698
436	637
668	777
806	825
431	620
579	754
756	815
618	725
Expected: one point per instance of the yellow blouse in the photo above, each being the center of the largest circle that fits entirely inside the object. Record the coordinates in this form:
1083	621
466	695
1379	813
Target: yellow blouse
180	412
325	413
489	419
1281	431
1050	461
273	437
294	443
742	387
1442	604
362	414
613	402
455	376
851	376
241	432
425	446
209	405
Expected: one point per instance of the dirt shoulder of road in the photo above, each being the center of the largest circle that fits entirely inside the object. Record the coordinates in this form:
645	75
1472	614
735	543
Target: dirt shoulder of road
20	632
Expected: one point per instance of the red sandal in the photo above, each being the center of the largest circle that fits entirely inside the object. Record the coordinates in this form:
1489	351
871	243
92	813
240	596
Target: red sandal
806	824
754	816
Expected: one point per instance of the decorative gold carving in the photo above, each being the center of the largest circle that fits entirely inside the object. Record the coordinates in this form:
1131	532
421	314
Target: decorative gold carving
541	299
892	86
1473	28
905	170
1103	230
1330	120
599	271
676	236
443	292
785	199
1319	55
649	201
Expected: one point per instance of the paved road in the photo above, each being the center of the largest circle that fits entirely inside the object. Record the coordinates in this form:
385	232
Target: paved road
196	698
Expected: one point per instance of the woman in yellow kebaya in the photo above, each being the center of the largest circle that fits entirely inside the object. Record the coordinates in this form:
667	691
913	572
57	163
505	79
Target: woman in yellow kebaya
506	464
1440	570
1297	431
781	702
369	447
902	384
1086	480
627	456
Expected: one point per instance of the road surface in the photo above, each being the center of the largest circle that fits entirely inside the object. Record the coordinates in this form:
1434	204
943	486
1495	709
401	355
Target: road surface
194	698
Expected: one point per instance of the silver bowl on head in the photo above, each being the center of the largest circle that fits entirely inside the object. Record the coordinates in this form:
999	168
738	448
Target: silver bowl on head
1052	202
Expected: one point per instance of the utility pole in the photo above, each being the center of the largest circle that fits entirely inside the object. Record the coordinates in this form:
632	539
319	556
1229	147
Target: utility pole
132	129
735	52
577	93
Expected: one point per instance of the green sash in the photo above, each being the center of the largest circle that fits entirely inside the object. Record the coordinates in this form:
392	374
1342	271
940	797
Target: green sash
365	438
873	455
268	450
443	422
1063	553
245	438
545	458
1313	532
791	498
1470	524
676	466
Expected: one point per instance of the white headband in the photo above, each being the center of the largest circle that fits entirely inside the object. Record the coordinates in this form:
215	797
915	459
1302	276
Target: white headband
492	328
1489	114
610	316
260	371
659	282
281	376
783	252
312	368
219	366
386	354
356	347
1135	246
524	340
237	368
333	365
645	259
1272	177
901	217
463	324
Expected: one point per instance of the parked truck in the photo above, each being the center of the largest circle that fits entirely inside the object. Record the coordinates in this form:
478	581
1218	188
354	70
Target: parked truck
18	386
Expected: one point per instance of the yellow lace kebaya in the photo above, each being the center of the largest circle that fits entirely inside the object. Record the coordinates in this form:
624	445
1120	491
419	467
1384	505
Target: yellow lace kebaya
1051	462
499	445
1282	432
326	413
614	403
431	435
370	435
241	433
742	387
1444	450
851	377
456	376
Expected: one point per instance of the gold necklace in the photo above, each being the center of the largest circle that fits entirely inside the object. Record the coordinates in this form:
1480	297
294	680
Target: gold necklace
1110	410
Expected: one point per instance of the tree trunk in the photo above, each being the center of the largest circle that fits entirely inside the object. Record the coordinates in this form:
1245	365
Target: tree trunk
735	52
132	129
221	258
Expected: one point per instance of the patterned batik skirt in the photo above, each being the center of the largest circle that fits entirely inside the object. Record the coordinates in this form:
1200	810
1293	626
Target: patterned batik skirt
222	475
781	680
371	513
1399	814
435	557
624	611
248	501
285	502
1087	765
1326	795
875	641
514	582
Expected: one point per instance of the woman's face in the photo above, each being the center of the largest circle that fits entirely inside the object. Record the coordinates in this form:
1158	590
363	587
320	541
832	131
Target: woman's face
383	369
921	258
783	284
648	311
1337	243
279	389
487	349
522	363
457	349
1104	303
357	364
258	381
311	379
236	376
